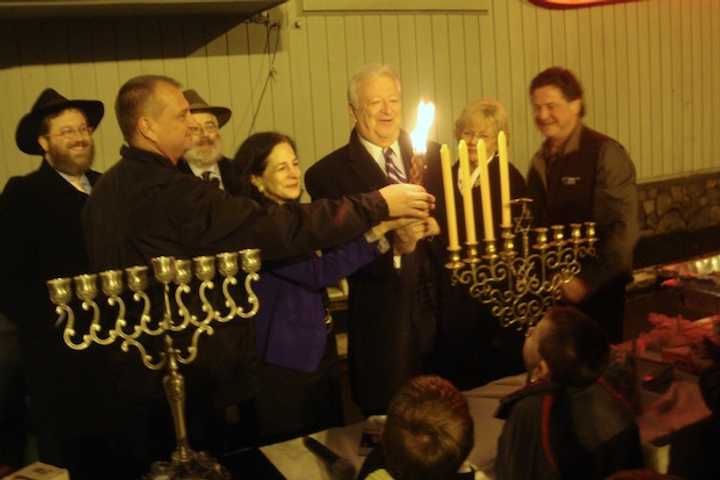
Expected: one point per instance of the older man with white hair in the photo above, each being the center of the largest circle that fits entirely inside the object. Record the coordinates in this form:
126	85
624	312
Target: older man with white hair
391	328
205	158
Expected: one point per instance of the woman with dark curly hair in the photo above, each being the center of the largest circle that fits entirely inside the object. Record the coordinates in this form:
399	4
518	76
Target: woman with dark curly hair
299	376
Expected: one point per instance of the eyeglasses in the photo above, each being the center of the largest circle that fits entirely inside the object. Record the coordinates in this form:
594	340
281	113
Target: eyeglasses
472	136
208	128
69	132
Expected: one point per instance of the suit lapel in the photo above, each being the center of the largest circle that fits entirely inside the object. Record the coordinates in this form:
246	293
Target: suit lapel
92	177
55	182
366	171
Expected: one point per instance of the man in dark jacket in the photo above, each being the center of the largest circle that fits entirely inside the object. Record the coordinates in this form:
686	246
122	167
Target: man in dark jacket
391	327
42	240
145	207
205	158
567	422
581	175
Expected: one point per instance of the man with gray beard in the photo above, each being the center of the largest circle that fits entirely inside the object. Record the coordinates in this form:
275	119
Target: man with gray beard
205	158
42	239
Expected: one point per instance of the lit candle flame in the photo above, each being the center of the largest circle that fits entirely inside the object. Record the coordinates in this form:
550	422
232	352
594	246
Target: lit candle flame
425	118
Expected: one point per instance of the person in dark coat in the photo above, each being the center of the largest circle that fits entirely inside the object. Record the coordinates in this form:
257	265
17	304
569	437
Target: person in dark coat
205	158
145	207
300	390
43	240
567	422
581	175
14	418
391	320
472	348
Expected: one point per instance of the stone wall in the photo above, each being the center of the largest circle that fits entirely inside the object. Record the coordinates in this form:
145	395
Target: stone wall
688	203
679	219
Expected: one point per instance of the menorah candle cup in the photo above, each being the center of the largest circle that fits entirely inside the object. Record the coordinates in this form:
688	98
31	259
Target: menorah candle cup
541	237
575	233
86	287
558	232
228	264
471	253
137	280
164	269
251	260
204	268
490	248
455	261
508	240
111	282
60	290
183	271
590	230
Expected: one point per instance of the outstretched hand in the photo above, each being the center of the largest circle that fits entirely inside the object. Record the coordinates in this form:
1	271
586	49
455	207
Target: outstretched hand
406	237
388	225
407	200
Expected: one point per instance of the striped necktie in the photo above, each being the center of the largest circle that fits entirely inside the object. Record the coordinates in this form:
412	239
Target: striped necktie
393	172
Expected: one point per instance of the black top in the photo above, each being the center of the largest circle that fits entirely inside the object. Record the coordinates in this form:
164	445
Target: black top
566	432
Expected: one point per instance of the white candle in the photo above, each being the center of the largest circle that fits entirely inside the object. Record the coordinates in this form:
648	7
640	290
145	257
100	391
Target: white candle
485	192
469	210
504	180
449	191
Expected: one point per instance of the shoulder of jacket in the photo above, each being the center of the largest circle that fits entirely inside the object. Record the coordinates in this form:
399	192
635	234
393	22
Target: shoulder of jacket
330	161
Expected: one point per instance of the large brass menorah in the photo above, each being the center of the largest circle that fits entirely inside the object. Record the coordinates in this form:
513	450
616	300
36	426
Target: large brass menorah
520	285
168	271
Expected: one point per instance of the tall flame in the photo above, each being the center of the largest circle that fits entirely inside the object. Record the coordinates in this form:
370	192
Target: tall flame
425	119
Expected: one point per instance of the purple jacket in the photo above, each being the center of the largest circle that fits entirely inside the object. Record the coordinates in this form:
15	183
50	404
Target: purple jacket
290	330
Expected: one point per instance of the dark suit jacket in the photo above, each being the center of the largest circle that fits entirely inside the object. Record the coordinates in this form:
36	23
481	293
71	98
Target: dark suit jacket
42	239
225	166
391	323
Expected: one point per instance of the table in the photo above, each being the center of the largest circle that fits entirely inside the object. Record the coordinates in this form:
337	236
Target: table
295	461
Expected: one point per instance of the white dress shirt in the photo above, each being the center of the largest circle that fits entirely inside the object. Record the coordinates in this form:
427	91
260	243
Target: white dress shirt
81	182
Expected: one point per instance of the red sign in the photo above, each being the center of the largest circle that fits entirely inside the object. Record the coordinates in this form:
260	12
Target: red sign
574	3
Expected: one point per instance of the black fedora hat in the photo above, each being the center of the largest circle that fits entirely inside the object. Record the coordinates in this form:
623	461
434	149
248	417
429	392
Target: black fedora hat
47	103
198	105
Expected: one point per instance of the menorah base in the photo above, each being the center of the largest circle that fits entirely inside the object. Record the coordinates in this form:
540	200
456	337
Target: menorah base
202	466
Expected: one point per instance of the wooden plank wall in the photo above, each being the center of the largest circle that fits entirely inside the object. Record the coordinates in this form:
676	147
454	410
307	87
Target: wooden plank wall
649	68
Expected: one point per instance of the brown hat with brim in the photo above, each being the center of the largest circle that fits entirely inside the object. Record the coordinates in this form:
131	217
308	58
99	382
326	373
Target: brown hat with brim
198	105
47	103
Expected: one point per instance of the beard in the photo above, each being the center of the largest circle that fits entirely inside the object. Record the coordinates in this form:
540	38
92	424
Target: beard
204	153
66	161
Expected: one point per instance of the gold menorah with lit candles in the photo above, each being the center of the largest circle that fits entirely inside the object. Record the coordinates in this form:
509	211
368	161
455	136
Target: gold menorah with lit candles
176	317
519	284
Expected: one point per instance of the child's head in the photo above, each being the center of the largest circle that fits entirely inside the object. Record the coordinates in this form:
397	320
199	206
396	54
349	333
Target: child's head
429	430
